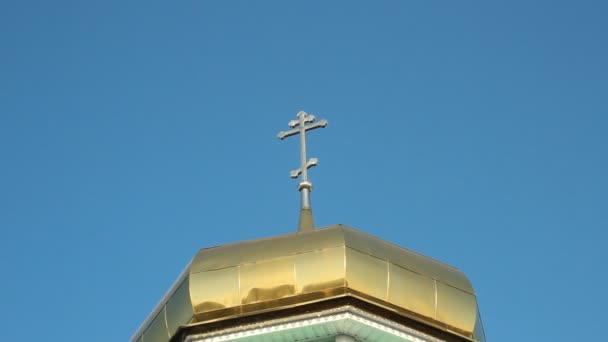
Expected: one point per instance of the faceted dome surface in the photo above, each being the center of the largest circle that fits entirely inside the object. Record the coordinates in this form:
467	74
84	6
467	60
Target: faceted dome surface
272	274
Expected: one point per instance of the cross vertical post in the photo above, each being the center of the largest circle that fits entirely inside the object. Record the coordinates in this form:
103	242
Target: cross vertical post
300	126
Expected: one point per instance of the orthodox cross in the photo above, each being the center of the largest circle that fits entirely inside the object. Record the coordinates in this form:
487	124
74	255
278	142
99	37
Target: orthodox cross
300	126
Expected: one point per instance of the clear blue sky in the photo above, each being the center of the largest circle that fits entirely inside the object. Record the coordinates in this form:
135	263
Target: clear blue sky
133	133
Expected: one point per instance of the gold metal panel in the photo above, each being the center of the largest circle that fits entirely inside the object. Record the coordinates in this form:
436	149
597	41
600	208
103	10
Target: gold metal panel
179	307
405	258
456	308
366	274
266	249
267	280
479	334
320	270
157	331
214	290
320	239
411	291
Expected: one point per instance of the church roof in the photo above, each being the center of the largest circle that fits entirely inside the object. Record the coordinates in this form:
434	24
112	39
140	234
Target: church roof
272	274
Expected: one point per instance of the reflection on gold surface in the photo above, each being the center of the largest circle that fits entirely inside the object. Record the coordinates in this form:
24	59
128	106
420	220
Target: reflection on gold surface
214	290
265	294
295	269
267	280
320	270
411	291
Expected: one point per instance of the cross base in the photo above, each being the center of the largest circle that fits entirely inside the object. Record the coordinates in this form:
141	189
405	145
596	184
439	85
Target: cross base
306	222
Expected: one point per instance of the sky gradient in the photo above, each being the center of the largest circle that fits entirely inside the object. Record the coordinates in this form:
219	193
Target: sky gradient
133	133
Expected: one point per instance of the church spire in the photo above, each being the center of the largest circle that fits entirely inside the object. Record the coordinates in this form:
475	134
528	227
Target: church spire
300	126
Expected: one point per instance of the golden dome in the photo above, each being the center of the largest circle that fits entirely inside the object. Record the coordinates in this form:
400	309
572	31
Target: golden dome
277	273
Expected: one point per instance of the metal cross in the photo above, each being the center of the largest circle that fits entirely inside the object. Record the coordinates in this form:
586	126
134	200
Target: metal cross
300	126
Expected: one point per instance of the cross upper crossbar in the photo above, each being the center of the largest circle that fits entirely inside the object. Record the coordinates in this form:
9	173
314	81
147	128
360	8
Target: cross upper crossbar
284	134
